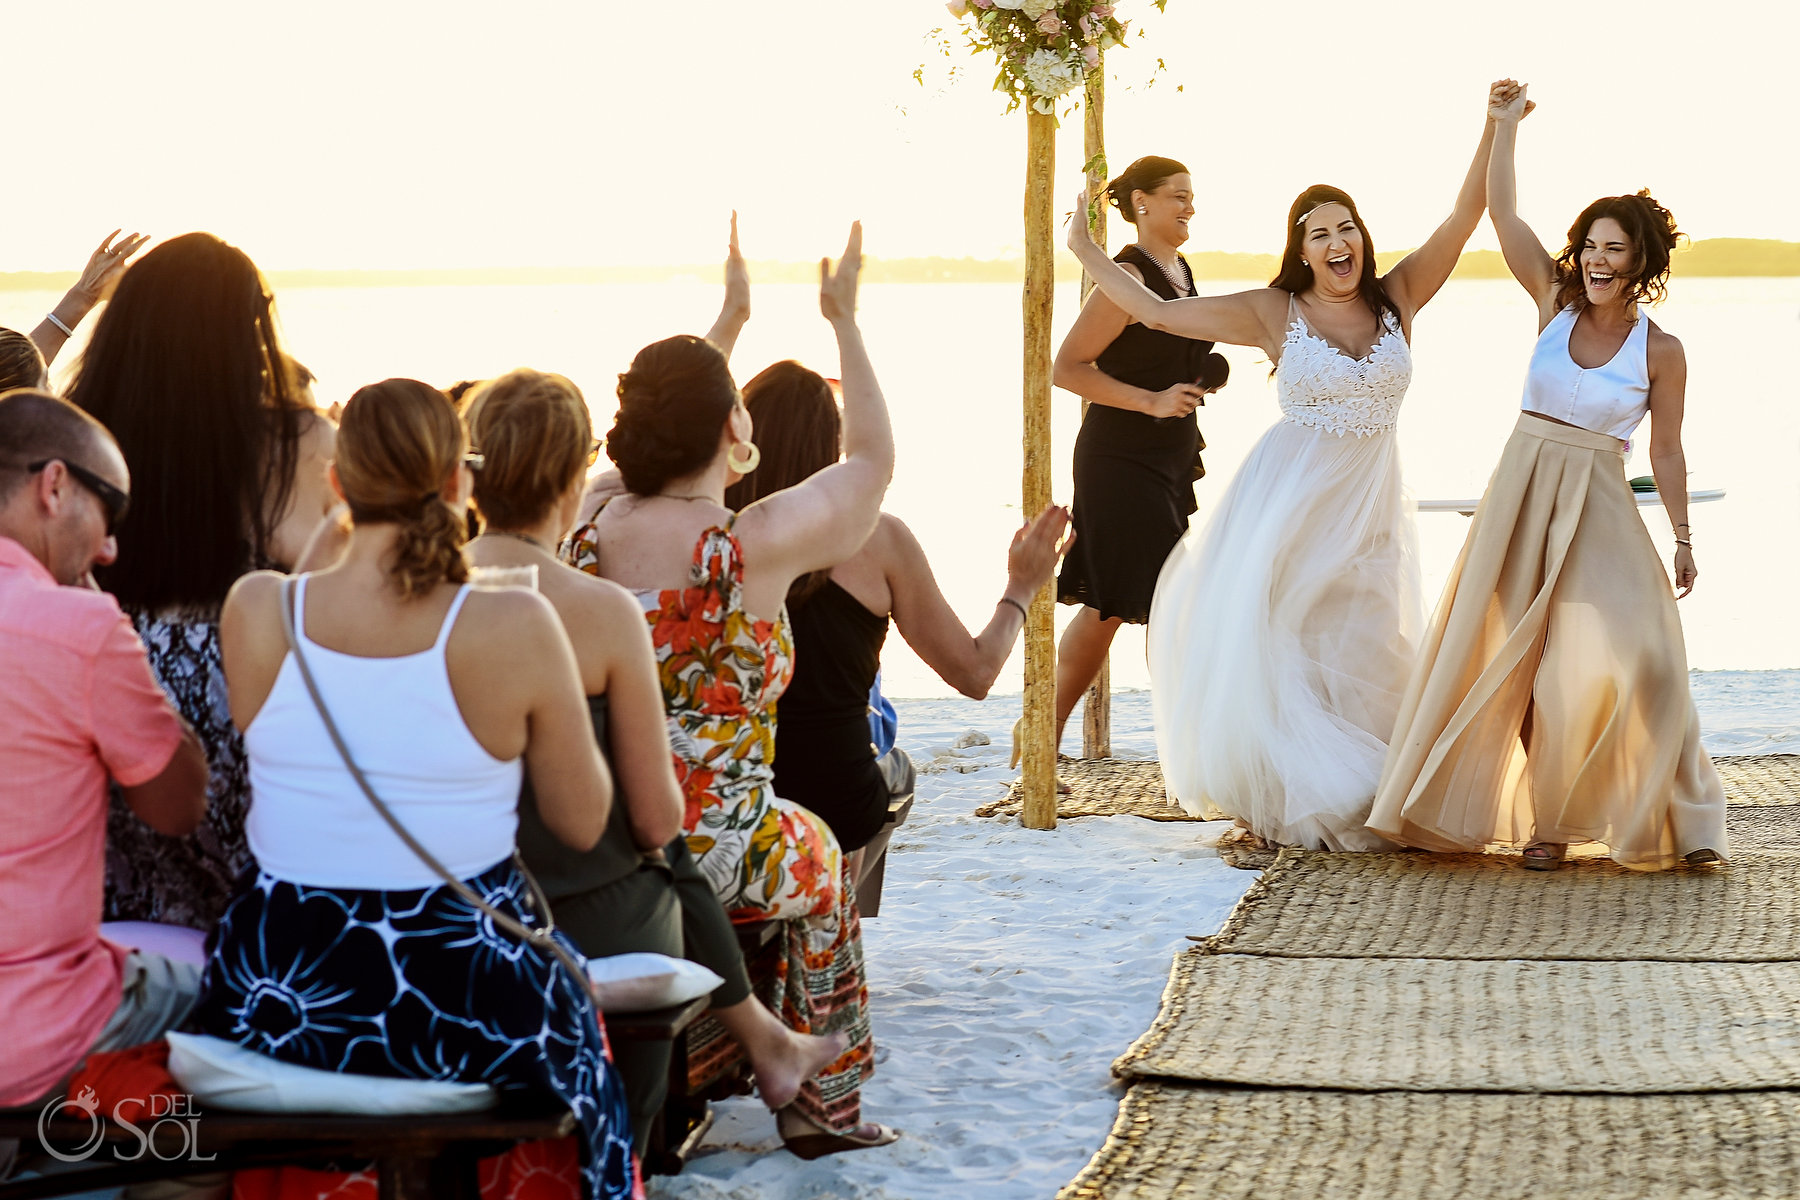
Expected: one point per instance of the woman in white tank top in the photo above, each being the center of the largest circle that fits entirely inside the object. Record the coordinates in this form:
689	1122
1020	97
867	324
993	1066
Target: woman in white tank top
342	950
1550	703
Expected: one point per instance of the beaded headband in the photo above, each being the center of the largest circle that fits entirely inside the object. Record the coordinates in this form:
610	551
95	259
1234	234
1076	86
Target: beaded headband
1301	219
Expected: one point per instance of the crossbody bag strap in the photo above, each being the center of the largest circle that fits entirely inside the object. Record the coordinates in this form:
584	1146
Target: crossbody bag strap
538	936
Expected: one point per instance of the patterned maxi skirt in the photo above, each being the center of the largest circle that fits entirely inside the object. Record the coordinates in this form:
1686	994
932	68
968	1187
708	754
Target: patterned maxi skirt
419	985
1550	702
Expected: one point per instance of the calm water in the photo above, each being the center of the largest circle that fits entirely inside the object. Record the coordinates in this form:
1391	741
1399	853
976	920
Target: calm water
948	358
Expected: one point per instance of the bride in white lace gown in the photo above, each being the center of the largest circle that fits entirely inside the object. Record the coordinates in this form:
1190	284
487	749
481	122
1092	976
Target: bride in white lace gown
1281	634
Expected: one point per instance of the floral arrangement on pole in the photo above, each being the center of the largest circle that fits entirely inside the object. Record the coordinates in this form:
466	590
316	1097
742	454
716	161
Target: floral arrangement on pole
1046	48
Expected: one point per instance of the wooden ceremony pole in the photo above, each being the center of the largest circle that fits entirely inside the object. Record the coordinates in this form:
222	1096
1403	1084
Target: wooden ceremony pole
1039	731
1096	709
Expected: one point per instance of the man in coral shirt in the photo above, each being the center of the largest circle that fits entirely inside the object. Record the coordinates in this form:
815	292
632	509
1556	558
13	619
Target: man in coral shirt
79	707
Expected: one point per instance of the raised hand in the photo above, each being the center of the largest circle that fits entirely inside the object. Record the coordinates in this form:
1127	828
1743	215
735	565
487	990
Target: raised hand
1507	101
1080	236
1036	549
737	277
837	289
105	265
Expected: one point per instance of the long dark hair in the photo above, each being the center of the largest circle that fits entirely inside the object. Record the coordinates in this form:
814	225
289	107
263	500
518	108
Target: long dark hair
1294	277
1651	228
186	369
800	432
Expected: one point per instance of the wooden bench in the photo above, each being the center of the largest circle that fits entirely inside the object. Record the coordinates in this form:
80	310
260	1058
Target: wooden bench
677	1130
415	1157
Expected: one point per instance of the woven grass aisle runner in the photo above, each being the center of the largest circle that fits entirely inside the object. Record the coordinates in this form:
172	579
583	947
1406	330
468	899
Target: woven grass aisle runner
1410	1025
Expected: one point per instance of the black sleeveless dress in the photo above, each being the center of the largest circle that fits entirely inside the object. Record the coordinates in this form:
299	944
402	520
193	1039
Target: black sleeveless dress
1134	474
823	756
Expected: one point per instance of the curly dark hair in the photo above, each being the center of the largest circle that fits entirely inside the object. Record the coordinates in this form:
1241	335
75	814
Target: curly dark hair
1651	228
673	403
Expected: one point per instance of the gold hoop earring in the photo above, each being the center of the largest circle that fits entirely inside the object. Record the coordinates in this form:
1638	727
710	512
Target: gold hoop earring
747	464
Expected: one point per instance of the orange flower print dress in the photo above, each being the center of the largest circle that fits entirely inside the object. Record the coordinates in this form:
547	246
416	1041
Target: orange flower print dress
722	671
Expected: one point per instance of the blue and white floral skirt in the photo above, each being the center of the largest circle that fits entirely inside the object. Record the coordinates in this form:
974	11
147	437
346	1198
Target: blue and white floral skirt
419	985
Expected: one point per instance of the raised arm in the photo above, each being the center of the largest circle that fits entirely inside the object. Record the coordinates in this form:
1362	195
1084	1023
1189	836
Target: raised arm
98	279
970	664
1668	462
826	519
734	314
1253	318
1525	255
1416	278
1099	325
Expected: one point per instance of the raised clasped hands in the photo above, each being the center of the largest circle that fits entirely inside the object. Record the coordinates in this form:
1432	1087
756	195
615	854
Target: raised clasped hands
1507	101
105	265
837	288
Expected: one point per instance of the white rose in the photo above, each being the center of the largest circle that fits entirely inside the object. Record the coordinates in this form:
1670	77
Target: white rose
1015	4
1035	8
957	7
1048	75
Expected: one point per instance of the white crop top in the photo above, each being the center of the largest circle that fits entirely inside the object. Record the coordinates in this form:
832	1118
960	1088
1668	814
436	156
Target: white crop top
1610	399
310	824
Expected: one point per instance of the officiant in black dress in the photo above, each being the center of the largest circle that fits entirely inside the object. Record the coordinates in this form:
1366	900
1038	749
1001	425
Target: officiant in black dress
1138	455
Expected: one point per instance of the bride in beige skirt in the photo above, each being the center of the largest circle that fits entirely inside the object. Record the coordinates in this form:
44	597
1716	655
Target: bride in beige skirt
1550	702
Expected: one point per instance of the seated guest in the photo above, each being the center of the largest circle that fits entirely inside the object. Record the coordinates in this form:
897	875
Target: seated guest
638	890
79	707
710	585
21	365
345	950
229	467
823	754
96	283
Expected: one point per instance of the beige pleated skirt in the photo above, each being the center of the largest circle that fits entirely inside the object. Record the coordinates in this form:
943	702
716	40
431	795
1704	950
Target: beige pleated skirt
1550	700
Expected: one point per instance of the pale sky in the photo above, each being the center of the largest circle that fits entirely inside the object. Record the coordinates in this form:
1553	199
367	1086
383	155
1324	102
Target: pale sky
385	134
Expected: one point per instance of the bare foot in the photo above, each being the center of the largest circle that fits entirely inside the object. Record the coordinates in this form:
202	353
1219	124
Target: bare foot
796	1060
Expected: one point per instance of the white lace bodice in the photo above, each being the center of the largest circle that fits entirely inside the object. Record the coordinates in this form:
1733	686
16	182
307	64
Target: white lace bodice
1320	386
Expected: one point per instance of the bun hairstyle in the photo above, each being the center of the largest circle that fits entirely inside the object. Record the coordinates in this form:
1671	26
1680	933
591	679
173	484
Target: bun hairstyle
673	404
398	442
1293	277
1651	228
1145	175
21	366
533	431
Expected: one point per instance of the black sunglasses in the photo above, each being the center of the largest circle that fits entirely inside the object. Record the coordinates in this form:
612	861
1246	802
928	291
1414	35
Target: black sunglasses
114	501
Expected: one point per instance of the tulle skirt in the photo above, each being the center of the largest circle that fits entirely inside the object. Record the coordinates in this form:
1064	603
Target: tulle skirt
1551	698
1281	637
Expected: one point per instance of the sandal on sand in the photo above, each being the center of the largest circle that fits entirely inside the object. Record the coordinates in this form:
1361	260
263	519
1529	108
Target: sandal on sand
1543	856
817	1145
1706	857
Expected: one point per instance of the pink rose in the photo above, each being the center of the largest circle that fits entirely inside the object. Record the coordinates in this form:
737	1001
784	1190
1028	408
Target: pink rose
1103	11
982	3
1092	56
1050	24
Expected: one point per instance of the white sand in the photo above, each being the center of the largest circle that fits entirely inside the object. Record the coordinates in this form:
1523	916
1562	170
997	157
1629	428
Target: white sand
1008	967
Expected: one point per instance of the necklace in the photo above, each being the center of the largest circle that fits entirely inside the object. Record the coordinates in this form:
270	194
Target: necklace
522	537
674	496
1173	282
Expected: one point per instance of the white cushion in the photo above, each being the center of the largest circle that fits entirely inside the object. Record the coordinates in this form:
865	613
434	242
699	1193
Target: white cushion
228	1075
640	982
175	942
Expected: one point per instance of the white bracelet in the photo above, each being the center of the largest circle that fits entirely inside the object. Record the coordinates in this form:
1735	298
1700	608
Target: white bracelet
57	321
